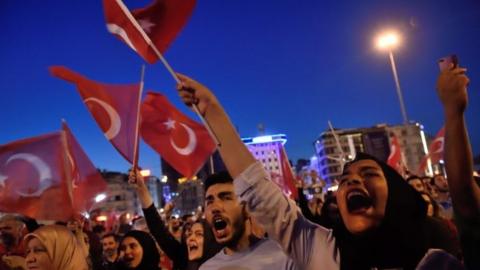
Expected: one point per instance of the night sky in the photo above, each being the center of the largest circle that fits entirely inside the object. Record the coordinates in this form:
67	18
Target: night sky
289	64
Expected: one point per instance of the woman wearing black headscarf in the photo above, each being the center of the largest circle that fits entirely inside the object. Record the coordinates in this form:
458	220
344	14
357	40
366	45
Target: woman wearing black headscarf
138	251
383	219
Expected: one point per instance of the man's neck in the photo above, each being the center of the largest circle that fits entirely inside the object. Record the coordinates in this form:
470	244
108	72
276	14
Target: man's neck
112	258
244	243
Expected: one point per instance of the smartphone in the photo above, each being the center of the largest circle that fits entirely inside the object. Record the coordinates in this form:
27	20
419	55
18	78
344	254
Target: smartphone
448	62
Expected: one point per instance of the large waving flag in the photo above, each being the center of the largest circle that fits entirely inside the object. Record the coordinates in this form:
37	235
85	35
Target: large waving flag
32	178
150	28
87	182
114	107
435	151
182	142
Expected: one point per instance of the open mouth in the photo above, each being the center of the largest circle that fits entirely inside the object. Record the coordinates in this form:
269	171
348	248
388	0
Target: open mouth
219	226
192	246
358	201
219	223
128	260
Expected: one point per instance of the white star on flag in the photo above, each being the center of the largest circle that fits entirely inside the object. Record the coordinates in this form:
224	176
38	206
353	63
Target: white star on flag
170	124
146	25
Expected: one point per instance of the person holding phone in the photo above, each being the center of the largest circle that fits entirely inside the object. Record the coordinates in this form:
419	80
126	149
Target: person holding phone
465	192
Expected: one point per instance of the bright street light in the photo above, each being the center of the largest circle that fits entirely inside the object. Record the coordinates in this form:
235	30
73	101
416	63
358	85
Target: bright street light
388	41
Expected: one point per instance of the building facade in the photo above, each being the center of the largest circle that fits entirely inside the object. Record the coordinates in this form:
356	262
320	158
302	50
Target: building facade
267	150
375	140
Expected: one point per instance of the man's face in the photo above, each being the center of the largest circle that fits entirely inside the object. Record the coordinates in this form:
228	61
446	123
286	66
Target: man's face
440	183
109	246
74	225
10	232
362	196
225	214
175	223
417	184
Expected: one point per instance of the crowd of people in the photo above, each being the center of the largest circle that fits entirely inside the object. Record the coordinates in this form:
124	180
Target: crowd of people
376	219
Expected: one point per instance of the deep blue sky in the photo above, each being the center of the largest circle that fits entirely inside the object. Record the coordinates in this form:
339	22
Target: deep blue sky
289	64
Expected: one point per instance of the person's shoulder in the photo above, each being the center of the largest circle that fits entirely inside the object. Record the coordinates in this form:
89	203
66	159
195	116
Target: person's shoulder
213	261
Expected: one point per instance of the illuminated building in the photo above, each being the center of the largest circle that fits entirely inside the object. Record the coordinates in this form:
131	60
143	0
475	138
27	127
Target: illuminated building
375	141
266	149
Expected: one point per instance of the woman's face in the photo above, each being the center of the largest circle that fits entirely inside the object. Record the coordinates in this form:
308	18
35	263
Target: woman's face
37	257
195	240
132	252
362	196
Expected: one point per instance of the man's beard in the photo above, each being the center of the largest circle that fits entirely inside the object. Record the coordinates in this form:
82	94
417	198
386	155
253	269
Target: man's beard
238	228
109	252
7	239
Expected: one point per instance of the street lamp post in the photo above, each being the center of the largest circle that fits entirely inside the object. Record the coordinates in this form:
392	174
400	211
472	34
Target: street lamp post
389	41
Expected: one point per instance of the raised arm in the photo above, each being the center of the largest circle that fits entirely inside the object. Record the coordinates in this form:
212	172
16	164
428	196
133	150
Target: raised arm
465	193
175	250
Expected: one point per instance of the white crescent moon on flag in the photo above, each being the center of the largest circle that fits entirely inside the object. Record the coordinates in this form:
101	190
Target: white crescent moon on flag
117	30
115	122
45	175
192	142
440	141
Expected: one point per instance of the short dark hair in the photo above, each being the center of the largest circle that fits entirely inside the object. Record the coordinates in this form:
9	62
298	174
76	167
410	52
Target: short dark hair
114	235
222	177
412	177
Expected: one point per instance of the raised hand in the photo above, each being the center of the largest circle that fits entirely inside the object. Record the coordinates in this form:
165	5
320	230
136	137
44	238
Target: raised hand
192	92
452	90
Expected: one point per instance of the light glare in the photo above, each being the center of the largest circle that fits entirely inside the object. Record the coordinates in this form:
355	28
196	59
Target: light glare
388	40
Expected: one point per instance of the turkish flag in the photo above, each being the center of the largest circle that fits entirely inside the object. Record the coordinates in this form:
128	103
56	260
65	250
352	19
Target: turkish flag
156	24
395	157
182	142
87	182
435	150
286	180
32	178
113	106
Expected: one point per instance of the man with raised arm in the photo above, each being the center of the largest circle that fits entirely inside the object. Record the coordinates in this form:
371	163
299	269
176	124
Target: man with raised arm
309	245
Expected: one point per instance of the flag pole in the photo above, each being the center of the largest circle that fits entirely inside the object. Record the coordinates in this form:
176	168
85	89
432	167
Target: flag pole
194	106
135	147
339	146
212	169
167	65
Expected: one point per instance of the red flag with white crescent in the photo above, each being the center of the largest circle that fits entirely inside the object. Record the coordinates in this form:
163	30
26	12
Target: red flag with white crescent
435	151
113	106
182	142
156	24
33	175
87	182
